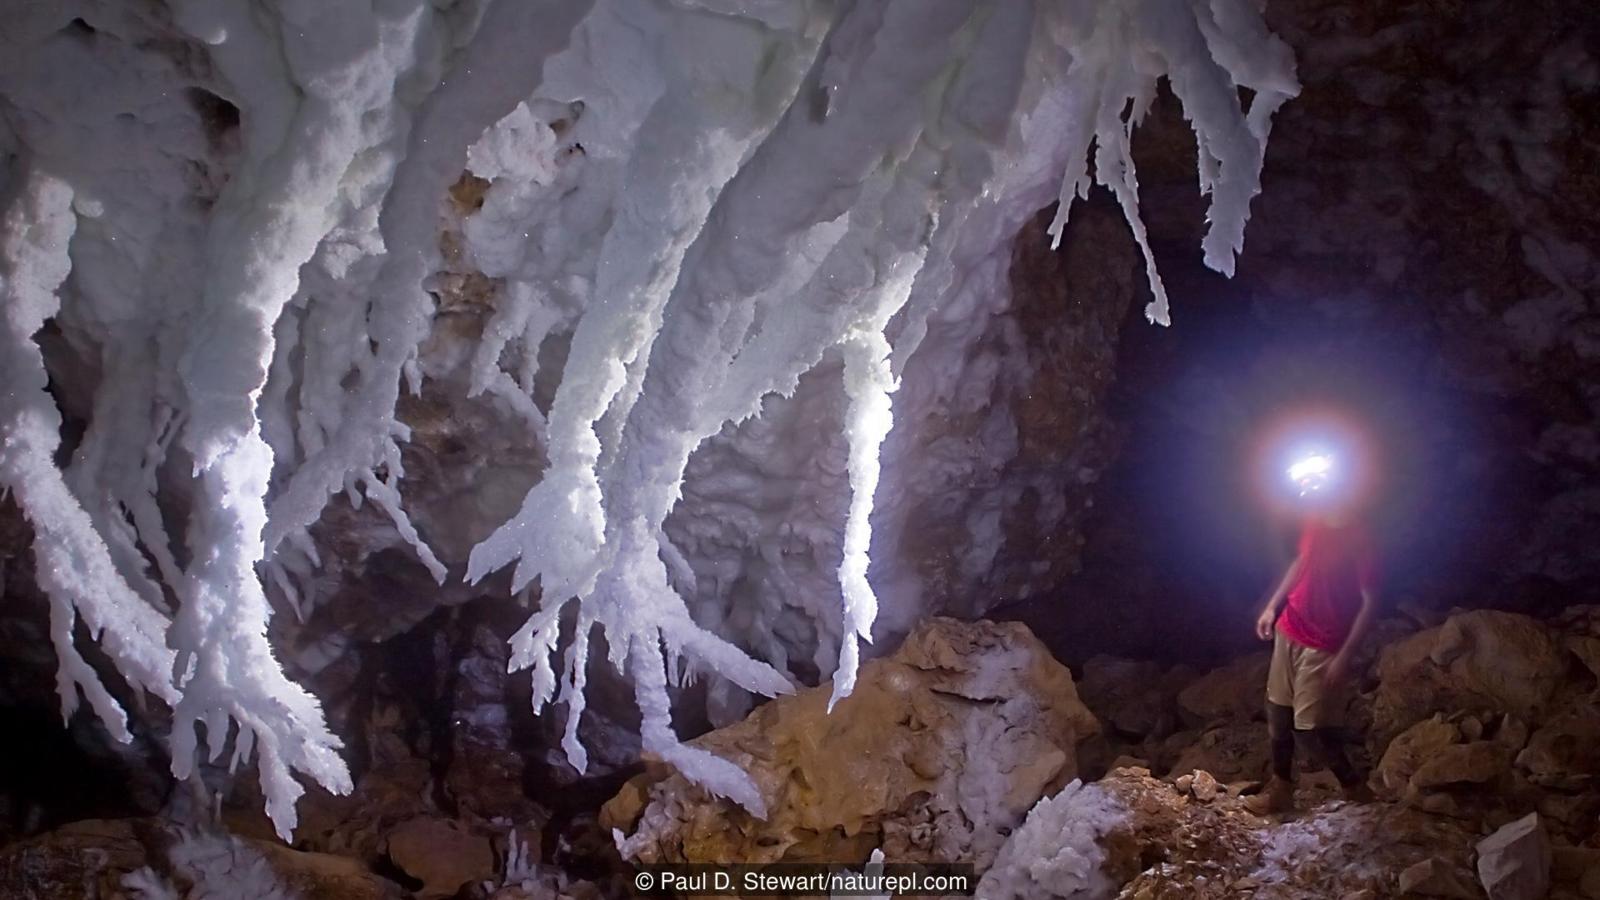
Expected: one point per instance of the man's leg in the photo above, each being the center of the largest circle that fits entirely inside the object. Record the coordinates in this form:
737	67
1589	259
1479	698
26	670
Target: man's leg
1281	735
1324	746
1318	719
1278	796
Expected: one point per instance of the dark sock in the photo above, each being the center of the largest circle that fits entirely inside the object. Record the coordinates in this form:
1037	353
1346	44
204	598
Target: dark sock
1280	734
1325	747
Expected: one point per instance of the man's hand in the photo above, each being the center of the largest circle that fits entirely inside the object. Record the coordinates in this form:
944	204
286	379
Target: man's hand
1265	623
1337	671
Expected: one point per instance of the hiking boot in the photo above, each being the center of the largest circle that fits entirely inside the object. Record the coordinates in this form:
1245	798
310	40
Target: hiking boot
1276	797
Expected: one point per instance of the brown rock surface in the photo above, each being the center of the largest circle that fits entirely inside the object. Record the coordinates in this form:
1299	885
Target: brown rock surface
440	855
1565	751
1484	659
324	876
936	755
1233	691
82	860
1477	762
1412	748
1587	649
1229	751
1437	878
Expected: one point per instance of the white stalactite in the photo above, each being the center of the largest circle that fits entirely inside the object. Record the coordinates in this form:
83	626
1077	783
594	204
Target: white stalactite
75	567
266	226
764	190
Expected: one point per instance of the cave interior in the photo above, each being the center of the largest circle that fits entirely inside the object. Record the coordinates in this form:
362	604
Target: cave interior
867	423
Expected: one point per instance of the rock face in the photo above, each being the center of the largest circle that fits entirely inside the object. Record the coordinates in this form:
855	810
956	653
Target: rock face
1518	725
1412	748
936	755
1144	705
1445	754
1491	750
1352	285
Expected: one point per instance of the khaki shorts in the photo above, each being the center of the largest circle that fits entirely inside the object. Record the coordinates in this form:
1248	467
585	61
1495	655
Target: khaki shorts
1295	679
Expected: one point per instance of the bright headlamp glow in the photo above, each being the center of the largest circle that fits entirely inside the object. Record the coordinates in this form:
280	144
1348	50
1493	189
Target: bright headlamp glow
1317	466
1312	473
1314	460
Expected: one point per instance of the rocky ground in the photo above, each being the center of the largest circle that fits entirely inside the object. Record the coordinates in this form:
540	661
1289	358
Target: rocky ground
1480	724
1481	729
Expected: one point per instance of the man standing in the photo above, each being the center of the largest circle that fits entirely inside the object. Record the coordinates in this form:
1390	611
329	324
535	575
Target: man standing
1318	614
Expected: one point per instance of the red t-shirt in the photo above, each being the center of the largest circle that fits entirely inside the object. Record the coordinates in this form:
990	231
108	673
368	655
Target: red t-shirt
1337	563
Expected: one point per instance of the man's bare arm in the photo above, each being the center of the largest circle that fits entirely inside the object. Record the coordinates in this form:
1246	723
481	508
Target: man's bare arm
1269	613
1358	630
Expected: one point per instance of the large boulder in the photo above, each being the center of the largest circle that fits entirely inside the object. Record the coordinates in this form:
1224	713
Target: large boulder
1236	691
1436	878
1230	751
936	755
1484	659
1587	649
1476	762
1428	762
81	860
440	856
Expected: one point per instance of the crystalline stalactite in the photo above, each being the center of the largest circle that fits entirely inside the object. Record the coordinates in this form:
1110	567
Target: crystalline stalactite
559	534
809	170
486	79
263	230
764	190
725	293
1207	51
74	565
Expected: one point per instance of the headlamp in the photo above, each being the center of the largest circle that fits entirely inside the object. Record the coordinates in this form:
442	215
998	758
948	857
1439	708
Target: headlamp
1311	474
